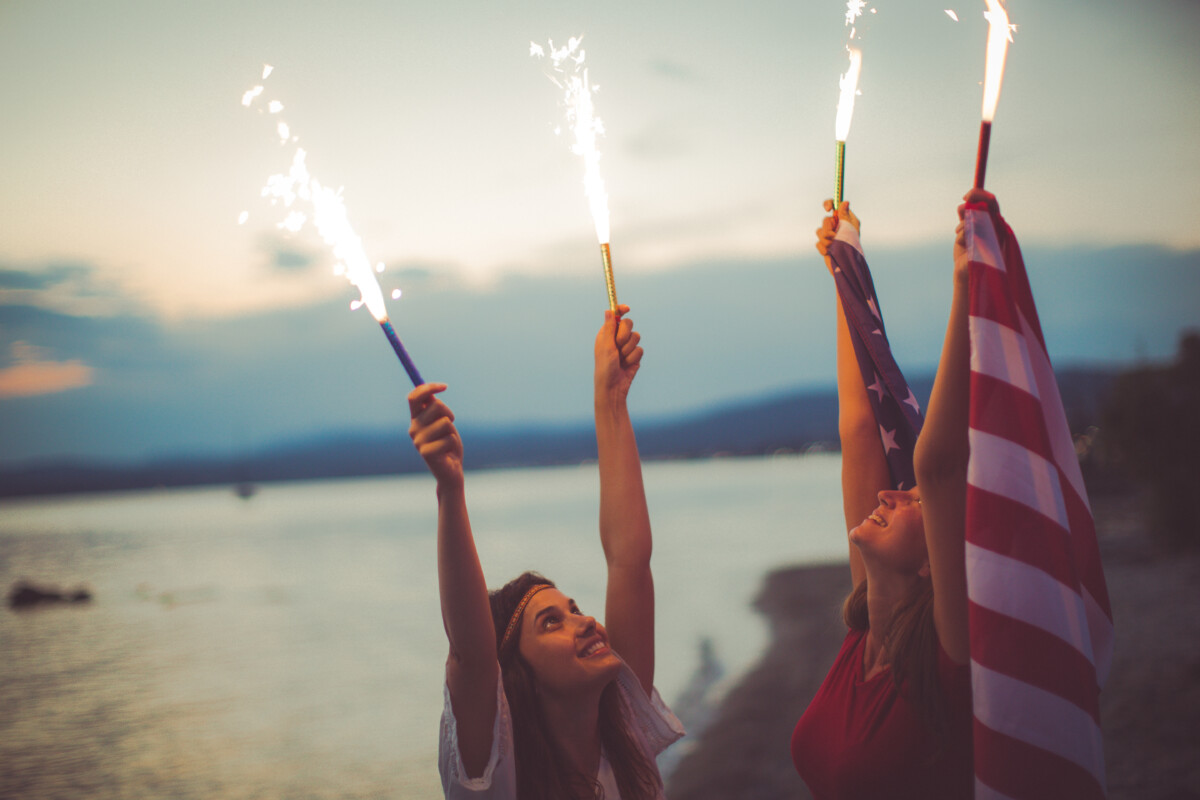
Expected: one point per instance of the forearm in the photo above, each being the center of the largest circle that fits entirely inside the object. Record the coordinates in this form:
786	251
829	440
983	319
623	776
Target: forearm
466	612
940	460
942	449
864	468
624	516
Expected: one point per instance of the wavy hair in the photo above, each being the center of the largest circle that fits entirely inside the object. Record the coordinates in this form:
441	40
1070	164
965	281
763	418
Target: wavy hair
911	648
543	771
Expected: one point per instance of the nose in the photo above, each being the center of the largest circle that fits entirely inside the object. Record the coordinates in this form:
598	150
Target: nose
893	498
587	626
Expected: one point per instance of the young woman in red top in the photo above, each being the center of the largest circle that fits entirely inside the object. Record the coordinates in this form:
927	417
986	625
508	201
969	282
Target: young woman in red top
893	717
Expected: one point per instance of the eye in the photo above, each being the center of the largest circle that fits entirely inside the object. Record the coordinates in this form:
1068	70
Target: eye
549	620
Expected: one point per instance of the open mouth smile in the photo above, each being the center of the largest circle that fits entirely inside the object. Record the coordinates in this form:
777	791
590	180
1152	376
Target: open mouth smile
597	647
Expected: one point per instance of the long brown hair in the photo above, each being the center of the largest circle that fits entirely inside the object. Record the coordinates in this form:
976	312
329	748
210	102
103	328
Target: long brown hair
911	648
543	771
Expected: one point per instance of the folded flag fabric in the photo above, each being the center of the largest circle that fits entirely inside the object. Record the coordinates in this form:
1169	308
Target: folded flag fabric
896	408
1040	620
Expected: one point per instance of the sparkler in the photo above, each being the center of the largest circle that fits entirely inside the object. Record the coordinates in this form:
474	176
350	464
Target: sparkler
571	76
845	111
298	187
999	35
849	89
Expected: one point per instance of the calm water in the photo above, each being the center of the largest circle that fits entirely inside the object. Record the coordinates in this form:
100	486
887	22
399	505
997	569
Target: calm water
290	645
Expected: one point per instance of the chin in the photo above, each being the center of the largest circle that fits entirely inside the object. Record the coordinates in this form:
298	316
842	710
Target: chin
607	667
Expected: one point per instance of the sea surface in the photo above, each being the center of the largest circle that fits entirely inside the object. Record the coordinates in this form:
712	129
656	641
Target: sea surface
290	645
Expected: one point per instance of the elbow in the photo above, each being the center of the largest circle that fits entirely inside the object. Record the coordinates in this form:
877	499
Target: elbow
857	427
631	558
937	462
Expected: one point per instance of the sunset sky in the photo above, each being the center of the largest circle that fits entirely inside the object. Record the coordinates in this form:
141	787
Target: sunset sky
137	317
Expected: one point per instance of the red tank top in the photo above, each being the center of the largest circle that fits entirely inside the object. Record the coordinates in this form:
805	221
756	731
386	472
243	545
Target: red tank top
863	739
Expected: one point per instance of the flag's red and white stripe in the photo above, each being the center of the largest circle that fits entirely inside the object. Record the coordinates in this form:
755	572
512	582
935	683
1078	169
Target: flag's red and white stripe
1041	625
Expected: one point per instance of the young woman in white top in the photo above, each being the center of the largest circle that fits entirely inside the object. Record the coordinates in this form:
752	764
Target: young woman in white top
538	702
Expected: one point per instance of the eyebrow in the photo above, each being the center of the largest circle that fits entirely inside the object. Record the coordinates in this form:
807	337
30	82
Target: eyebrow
547	609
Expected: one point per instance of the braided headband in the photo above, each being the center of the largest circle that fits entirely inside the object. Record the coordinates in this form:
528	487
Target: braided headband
516	617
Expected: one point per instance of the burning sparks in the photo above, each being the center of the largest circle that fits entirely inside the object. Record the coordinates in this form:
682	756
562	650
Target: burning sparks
849	86
854	10
570	75
327	212
333	224
999	35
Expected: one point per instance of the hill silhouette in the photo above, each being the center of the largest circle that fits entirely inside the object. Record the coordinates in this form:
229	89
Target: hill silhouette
795	421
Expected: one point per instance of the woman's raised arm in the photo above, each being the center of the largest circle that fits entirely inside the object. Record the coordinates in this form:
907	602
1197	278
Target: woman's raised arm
941	457
472	671
624	516
864	467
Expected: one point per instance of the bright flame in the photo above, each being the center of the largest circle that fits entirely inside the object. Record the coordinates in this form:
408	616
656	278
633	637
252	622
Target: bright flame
572	77
249	96
854	10
849	84
950	13
328	214
999	35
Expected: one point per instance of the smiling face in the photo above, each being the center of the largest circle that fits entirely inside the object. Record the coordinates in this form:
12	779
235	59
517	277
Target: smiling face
893	535
567	651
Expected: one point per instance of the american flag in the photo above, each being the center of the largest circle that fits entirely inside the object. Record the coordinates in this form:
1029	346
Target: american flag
1041	625
896	408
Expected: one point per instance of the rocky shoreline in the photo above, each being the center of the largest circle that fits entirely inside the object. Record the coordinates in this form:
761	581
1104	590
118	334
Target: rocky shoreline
1149	707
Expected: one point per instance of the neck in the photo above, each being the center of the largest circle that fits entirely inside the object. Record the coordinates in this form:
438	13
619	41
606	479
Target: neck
574	723
885	594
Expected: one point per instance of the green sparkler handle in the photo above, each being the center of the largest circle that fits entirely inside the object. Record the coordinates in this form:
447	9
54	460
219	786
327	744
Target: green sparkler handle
841	175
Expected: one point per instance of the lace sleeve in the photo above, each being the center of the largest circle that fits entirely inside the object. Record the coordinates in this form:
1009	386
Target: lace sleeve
499	778
655	725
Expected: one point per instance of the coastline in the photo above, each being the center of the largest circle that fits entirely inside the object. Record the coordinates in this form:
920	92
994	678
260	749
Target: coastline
1149	706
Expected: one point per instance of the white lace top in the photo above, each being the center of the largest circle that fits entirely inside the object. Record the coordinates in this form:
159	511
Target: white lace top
653	725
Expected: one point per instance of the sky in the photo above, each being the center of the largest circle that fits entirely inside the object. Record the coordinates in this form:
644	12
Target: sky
138	318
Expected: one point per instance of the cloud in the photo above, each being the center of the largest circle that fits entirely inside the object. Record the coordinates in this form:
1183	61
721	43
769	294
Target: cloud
66	286
33	374
46	277
675	71
715	330
292	253
289	259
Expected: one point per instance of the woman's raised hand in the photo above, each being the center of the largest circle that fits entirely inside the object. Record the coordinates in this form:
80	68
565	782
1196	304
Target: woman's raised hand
829	225
434	435
618	355
974	197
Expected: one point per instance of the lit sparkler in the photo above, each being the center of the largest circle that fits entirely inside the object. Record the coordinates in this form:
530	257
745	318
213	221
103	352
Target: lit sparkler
328	214
999	35
845	111
570	75
848	84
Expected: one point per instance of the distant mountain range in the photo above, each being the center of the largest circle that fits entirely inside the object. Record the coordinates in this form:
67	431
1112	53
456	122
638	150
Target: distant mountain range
797	421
